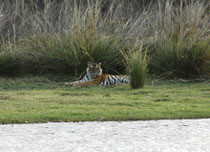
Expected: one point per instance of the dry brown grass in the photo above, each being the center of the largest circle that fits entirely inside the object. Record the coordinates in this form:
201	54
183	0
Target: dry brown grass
62	37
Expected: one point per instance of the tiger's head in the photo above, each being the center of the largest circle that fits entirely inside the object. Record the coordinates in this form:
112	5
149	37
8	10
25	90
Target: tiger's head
94	69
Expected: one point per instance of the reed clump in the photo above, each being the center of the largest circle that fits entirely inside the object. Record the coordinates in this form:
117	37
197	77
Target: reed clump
182	47
136	66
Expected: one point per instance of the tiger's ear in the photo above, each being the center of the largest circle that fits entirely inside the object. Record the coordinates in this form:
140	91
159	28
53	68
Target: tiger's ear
89	63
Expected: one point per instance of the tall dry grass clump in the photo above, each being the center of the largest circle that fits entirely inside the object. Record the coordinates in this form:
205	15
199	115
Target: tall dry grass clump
136	66
84	37
181	47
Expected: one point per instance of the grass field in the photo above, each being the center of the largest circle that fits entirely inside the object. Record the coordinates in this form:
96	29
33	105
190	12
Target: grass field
40	99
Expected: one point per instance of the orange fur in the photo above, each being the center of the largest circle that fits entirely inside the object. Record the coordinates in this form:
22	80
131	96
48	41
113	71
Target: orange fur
95	81
94	76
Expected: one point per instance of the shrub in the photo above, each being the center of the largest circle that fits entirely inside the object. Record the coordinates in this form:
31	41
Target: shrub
69	51
10	64
44	54
100	48
182	46
180	60
70	54
136	65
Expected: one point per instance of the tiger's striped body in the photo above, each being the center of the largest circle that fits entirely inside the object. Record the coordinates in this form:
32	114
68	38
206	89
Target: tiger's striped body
94	76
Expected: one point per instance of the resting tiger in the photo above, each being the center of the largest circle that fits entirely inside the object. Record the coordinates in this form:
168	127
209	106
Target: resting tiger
94	76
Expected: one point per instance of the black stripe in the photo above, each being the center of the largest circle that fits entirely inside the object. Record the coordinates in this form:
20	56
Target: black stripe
108	78
87	78
115	80
106	83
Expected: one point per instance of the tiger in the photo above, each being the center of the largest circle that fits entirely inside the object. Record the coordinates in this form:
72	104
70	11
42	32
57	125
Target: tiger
94	76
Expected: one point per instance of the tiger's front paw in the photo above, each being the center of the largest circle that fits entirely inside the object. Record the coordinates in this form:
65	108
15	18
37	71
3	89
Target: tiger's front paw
67	84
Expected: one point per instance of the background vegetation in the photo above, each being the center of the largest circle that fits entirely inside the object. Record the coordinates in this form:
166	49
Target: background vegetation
61	36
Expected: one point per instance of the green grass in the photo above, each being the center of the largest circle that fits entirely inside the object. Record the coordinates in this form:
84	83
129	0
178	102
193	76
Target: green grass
136	65
37	99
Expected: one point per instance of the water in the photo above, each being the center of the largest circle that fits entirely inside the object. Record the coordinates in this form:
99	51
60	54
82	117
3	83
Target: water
130	136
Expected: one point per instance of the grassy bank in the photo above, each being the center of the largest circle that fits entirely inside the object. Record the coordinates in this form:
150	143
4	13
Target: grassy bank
39	99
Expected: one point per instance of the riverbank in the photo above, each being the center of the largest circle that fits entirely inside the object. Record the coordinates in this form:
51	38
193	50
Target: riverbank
40	99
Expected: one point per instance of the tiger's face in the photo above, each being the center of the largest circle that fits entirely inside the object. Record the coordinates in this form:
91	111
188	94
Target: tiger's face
94	69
